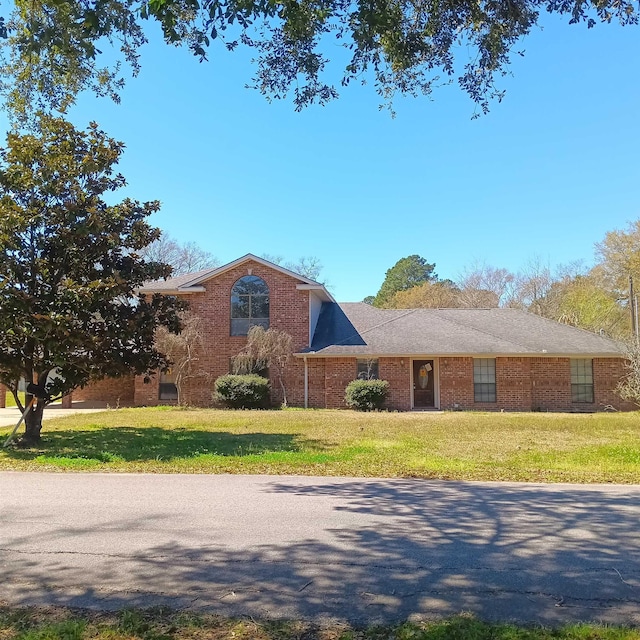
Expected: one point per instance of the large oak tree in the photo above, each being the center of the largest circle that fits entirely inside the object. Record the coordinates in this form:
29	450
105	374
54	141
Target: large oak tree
70	266
54	48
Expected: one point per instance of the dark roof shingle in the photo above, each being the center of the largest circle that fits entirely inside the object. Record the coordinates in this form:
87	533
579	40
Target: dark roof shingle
360	329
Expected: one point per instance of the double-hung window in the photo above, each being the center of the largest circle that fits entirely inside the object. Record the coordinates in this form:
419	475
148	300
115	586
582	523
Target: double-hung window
484	379
581	380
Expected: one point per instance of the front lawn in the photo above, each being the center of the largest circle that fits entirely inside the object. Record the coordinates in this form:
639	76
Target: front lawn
535	447
10	401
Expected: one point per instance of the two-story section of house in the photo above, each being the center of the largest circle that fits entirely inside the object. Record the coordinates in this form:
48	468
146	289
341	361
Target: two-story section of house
484	359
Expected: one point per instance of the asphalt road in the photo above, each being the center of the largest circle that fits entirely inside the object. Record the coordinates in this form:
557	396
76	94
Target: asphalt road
361	550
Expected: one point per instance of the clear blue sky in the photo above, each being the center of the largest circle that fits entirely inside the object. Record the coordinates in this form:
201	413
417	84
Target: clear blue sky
546	173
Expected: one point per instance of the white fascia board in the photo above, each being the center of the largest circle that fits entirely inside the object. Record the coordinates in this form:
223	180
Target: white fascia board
173	292
319	289
250	257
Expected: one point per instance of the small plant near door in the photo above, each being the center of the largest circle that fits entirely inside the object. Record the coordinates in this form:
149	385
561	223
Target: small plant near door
249	391
366	395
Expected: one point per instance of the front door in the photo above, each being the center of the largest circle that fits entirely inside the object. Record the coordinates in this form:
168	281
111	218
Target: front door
423	384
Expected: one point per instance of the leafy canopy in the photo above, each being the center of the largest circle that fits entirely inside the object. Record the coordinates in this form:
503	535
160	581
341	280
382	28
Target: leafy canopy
54	47
70	265
405	274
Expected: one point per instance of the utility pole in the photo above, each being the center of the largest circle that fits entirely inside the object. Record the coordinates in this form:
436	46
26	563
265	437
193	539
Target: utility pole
633	306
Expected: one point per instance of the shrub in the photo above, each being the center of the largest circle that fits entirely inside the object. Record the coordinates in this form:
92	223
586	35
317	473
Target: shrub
366	395
242	391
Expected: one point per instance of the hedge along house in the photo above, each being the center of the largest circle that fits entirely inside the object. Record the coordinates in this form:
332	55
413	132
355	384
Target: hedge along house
485	359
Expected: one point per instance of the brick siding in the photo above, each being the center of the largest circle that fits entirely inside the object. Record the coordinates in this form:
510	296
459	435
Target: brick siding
397	371
113	391
288	311
607	372
530	384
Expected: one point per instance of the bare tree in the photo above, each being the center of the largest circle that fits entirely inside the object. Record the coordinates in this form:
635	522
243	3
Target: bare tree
619	255
183	258
629	387
307	266
532	287
271	349
482	285
183	350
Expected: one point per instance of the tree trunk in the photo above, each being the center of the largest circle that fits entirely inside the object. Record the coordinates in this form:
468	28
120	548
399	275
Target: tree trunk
33	425
284	391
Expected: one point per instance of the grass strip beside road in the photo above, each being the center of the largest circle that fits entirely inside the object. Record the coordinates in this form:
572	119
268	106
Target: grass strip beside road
165	624
534	447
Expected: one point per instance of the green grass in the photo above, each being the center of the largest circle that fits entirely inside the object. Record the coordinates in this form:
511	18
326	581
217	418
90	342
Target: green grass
10	402
166	624
532	447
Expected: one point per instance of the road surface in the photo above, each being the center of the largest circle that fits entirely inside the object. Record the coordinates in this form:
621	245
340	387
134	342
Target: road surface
327	549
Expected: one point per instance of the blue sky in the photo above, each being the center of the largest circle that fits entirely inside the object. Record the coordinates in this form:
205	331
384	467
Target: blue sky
546	174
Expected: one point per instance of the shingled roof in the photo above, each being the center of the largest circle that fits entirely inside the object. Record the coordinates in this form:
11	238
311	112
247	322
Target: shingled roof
358	329
194	282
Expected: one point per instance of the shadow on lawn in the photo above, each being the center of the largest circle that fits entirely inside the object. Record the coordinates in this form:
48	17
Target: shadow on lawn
155	443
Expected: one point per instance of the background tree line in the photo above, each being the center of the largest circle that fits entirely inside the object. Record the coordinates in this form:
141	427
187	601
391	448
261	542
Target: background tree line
593	298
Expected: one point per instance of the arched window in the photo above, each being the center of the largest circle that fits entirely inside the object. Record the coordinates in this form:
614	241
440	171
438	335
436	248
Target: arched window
249	305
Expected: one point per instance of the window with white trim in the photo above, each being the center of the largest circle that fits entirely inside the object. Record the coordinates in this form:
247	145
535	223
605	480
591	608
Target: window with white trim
581	380
484	379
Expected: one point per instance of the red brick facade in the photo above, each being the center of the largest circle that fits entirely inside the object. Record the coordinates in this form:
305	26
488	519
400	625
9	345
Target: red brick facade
522	383
117	392
289	311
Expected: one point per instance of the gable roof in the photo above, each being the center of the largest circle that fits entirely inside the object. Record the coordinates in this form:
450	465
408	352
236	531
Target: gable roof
193	282
359	329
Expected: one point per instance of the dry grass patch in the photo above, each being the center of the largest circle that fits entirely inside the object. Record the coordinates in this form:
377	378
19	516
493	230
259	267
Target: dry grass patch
165	624
456	445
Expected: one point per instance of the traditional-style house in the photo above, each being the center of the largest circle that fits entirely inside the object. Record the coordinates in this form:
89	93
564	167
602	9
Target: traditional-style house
484	359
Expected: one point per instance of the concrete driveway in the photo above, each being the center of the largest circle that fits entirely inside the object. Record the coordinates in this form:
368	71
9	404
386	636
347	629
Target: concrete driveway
362	550
10	416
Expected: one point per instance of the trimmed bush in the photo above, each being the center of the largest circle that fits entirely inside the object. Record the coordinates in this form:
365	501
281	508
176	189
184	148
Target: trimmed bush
366	395
243	391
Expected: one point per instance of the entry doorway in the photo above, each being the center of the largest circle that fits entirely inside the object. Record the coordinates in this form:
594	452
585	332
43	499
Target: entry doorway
424	384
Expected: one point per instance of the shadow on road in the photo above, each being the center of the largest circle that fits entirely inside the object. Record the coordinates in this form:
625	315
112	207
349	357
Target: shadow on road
428	549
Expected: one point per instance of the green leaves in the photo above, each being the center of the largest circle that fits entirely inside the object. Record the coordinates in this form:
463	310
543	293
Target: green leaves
69	263
406	273
402	45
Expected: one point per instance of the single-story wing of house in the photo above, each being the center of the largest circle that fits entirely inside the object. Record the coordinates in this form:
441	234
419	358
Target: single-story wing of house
484	359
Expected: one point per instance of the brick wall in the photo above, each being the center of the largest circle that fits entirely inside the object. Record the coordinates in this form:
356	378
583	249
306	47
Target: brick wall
607	372
329	377
288	311
316	382
513	384
526	384
522	384
456	383
397	371
339	372
113	391
550	384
